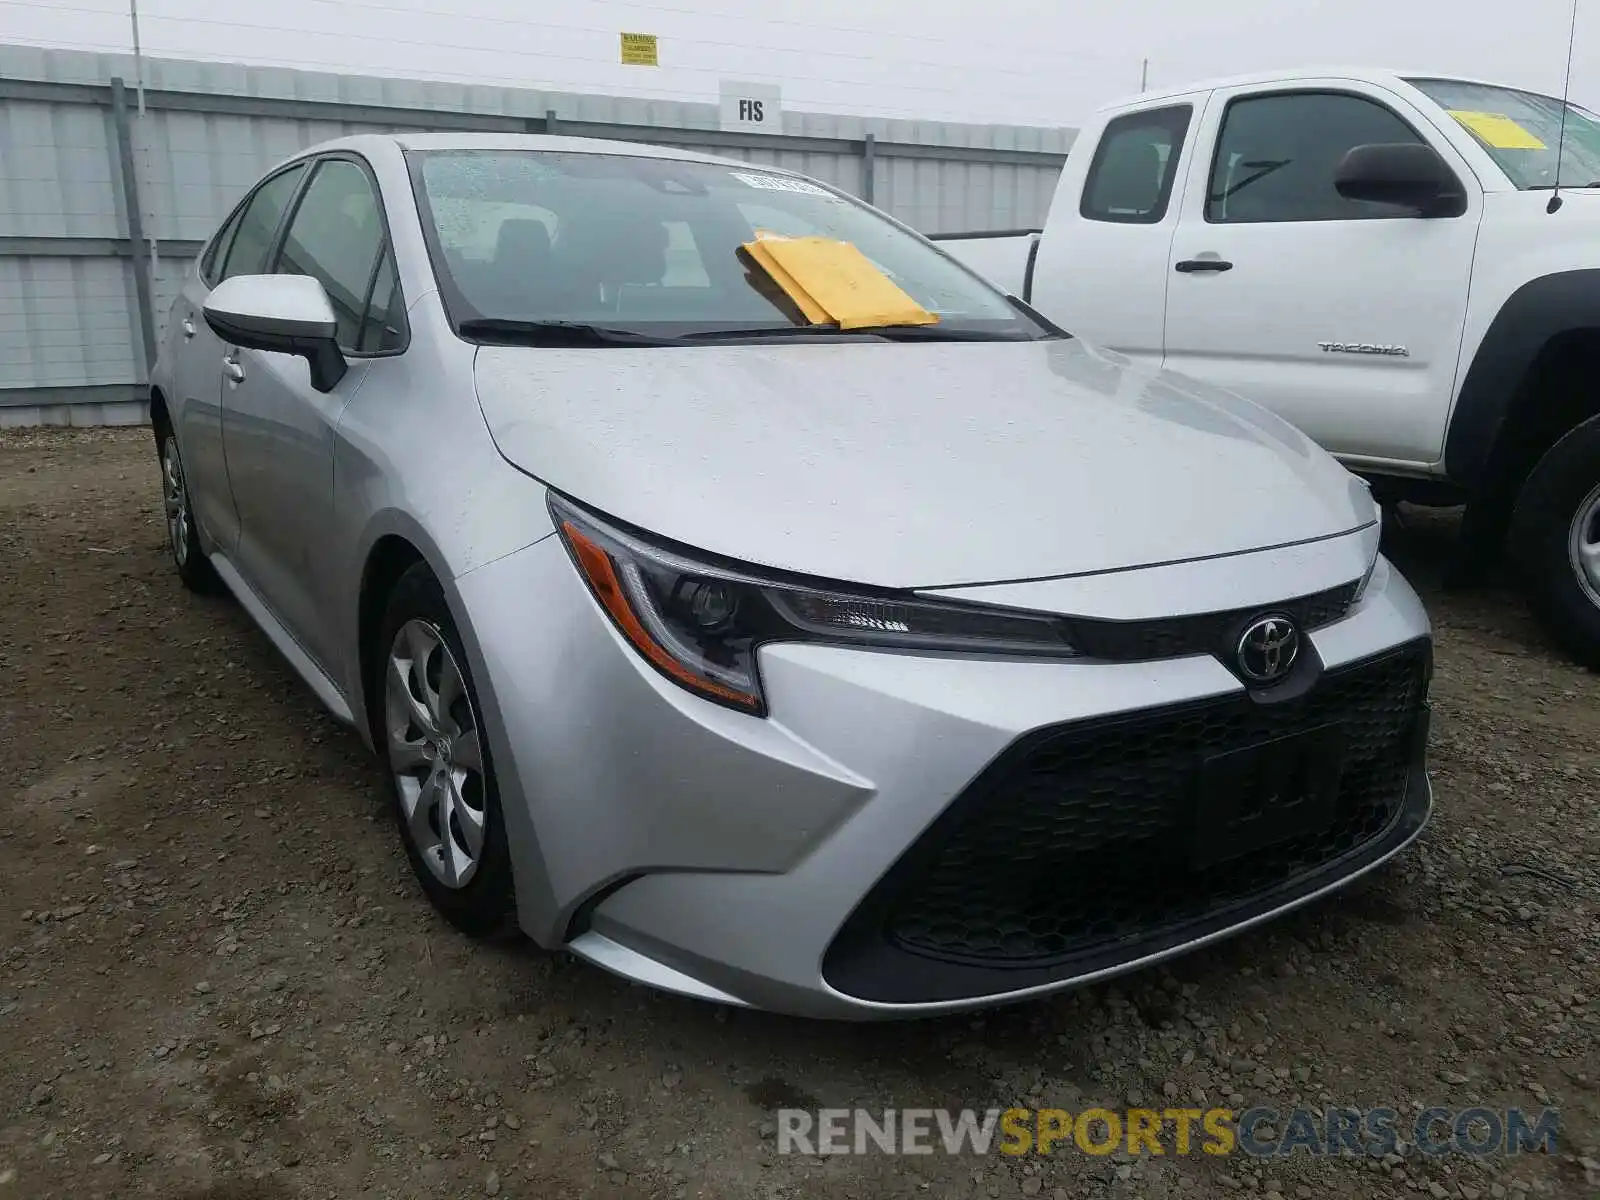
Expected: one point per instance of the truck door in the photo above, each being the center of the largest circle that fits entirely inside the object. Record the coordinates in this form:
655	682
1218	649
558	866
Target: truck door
1343	316
1101	269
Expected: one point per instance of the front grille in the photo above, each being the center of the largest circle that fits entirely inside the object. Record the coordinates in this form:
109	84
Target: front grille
1206	633
1080	837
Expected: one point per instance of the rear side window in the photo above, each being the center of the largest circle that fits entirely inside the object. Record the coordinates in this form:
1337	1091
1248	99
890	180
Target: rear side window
336	236
381	328
1278	153
1130	177
218	250
258	224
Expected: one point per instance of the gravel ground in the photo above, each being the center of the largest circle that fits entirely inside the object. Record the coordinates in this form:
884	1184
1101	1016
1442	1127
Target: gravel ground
218	979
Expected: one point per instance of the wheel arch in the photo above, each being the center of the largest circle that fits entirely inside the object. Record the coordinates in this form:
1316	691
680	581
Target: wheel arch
160	415
394	542
388	558
1515	400
394	545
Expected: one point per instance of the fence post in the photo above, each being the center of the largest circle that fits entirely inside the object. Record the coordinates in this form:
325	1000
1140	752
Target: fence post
869	161
130	201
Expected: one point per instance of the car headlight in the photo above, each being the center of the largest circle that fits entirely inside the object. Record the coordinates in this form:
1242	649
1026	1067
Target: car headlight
700	623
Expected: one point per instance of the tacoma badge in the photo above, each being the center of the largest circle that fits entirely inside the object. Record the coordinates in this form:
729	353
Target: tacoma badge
1363	348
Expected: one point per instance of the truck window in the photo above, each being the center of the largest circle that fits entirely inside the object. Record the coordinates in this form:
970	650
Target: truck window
1277	153
1130	176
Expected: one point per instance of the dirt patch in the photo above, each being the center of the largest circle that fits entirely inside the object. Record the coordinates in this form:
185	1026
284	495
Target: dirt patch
219	982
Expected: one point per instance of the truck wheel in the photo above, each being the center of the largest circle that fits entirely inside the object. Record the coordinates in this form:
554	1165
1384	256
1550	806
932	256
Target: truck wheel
1555	537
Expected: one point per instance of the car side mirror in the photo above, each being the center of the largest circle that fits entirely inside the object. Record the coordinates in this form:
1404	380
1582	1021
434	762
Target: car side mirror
282	314
1409	174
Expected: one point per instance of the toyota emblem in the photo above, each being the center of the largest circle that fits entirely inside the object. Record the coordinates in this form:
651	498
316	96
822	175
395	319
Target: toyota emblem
1267	649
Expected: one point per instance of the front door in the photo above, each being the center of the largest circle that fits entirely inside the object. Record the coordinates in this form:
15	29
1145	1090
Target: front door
239	249
279	430
1344	317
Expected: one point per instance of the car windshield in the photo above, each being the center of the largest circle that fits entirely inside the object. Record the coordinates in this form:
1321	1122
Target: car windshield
651	246
1520	131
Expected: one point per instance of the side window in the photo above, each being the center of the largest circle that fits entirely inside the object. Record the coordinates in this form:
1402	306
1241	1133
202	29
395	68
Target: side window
258	223
218	248
1130	177
335	236
380	328
1277	154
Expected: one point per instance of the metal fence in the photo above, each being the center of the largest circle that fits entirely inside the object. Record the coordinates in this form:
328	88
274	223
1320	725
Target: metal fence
107	190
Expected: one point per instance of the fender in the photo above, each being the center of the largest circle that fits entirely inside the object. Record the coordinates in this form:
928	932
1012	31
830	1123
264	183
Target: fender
1537	311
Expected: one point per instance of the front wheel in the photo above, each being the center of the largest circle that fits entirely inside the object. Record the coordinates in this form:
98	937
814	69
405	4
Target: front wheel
1556	541
440	771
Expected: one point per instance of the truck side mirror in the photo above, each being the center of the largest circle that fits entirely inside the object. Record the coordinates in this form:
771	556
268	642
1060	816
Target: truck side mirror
1409	174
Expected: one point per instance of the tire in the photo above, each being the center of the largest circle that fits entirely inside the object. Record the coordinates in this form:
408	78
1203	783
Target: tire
1557	510
441	777
183	539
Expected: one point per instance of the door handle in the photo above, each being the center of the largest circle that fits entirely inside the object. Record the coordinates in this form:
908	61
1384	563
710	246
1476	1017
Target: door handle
188	327
1190	265
234	370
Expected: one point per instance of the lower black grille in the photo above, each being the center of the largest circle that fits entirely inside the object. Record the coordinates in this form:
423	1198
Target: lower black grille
1082	838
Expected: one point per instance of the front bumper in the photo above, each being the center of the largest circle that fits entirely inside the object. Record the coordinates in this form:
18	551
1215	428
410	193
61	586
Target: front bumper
740	859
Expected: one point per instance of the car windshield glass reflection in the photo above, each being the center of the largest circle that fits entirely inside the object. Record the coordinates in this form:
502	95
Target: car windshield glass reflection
652	245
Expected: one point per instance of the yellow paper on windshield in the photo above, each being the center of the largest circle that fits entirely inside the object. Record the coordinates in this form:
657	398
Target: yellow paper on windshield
1498	131
760	251
839	279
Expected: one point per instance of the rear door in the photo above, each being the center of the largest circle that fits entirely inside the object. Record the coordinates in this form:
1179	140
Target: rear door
1343	316
1101	268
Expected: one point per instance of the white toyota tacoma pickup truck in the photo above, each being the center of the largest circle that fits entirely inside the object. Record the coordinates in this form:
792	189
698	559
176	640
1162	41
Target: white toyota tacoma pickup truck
1384	260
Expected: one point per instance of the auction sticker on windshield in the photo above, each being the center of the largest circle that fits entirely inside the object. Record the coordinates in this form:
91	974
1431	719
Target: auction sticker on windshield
778	183
1498	130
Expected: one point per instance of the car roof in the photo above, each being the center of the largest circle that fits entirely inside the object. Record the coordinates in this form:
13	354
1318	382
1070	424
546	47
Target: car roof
367	142
1383	77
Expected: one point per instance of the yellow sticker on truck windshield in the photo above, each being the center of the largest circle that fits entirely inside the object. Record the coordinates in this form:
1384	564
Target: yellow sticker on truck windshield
1498	131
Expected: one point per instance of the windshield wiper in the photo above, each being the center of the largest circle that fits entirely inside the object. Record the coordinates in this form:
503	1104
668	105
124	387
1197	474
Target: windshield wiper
513	332
937	333
892	333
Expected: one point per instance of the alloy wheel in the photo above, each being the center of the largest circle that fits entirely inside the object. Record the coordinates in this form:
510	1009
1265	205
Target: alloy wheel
435	753
175	498
1583	546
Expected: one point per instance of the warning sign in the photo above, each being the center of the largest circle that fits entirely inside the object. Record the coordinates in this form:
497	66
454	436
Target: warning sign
639	50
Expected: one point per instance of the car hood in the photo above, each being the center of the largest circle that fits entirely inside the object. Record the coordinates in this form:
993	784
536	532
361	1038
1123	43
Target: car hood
913	464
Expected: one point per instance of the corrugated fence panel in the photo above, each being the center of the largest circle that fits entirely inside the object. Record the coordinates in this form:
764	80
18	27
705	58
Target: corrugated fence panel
66	322
57	171
70	325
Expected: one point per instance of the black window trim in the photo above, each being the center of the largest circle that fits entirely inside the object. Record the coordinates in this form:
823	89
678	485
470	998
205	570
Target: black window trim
1168	185
385	246
1222	125
272	242
214	248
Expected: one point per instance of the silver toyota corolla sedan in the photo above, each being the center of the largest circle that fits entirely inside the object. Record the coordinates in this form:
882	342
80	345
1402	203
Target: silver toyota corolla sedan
865	672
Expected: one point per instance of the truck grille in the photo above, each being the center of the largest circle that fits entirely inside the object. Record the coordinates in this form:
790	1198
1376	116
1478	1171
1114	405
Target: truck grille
1079	838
